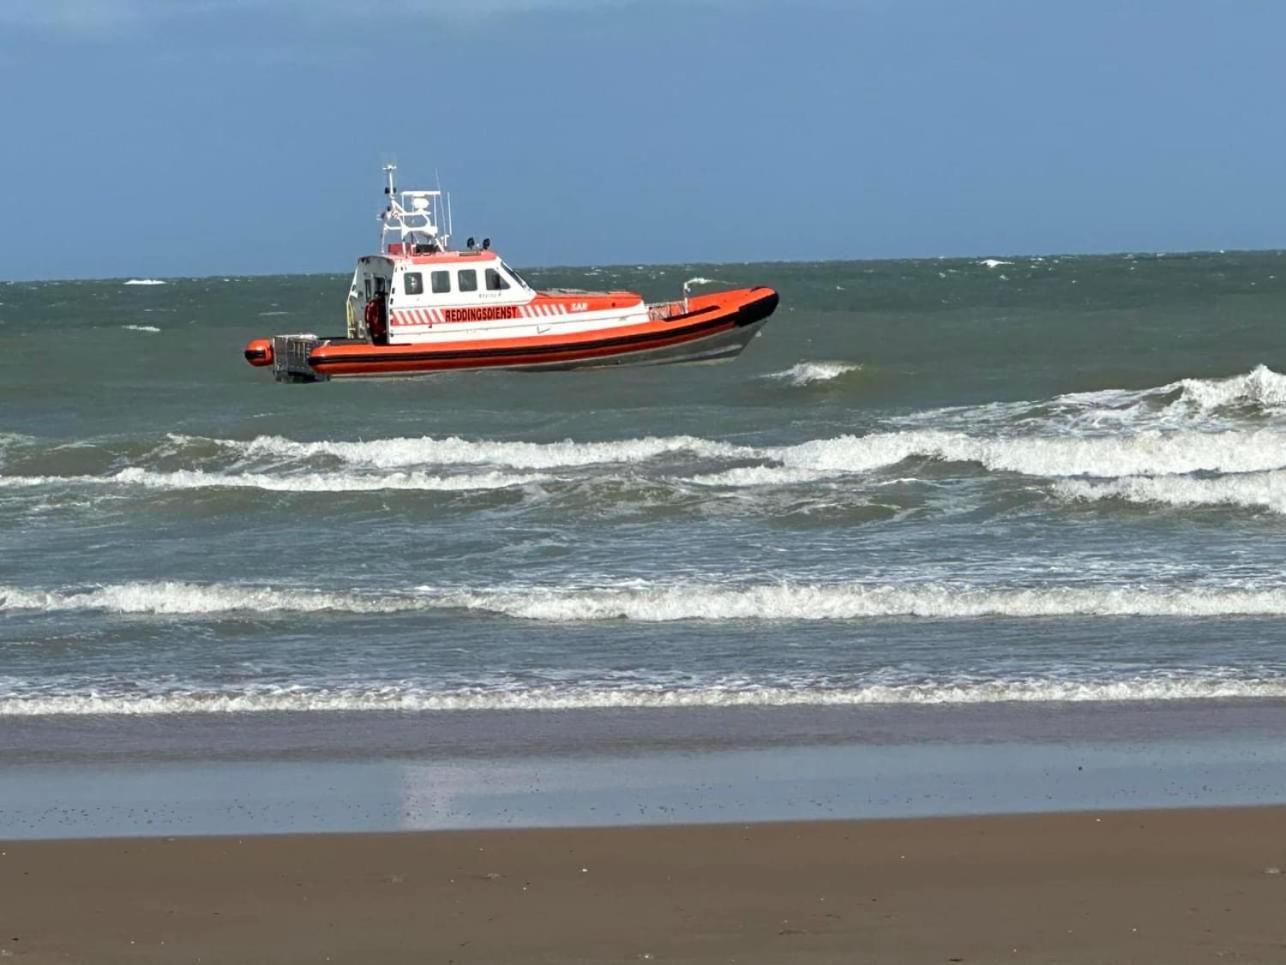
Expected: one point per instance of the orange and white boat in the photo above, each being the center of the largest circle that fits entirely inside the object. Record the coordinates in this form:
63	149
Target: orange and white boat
420	307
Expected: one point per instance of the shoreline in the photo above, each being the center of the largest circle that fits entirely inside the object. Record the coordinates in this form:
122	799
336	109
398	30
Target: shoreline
93	778
1181	885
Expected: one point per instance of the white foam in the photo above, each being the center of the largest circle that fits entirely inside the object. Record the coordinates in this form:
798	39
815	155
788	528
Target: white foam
652	604
855	601
1143	453
195	598
144	281
743	476
301	483
737	693
1251	490
994	262
806	373
1261	386
1187	404
140	328
454	451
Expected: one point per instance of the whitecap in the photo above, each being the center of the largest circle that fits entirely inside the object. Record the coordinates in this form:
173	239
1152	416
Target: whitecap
144	281
1215	683
856	601
1056	457
168	597
299	483
783	601
806	373
1262	490
453	450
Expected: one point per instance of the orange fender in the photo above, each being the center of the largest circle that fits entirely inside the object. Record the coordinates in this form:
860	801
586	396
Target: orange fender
259	352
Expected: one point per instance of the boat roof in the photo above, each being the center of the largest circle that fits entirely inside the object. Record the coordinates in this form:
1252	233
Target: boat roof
400	254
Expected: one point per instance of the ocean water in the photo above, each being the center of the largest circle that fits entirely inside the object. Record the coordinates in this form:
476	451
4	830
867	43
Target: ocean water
943	482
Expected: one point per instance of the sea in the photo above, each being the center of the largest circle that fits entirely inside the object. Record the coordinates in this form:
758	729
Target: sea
1002	501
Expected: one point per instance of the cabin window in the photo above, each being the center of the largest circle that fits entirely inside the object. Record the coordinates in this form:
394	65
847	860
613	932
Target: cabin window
441	281
495	281
413	283
468	280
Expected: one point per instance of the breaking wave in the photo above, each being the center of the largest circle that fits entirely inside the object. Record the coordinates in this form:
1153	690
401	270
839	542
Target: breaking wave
144	281
452	450
305	483
1103	456
1148	442
701	602
405	696
804	601
194	598
806	373
1259	387
1187	404
1265	490
151	329
1149	452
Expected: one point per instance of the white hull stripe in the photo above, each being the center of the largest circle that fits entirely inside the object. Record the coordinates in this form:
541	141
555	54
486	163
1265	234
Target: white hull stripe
422	317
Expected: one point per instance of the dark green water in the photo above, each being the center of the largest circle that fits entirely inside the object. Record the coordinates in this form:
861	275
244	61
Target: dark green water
932	481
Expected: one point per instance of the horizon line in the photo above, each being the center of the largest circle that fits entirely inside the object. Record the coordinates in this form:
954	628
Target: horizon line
634	265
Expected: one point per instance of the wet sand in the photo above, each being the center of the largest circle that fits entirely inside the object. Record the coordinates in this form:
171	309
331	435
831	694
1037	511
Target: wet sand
1134	886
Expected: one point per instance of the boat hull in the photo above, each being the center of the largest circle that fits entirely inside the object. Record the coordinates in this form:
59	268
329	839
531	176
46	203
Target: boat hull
715	326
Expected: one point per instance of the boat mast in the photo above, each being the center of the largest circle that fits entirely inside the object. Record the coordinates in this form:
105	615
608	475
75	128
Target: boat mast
413	214
387	214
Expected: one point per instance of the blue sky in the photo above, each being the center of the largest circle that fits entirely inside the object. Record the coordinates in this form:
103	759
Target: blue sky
231	136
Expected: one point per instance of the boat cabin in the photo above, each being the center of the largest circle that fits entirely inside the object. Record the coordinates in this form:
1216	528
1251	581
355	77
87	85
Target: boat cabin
417	282
420	290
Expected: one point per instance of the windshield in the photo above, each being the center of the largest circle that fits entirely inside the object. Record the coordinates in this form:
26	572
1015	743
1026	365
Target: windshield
514	275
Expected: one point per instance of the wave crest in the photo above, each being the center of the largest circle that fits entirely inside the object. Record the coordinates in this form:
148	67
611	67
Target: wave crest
653	604
804	601
451	451
183	479
1265	490
177	598
1209	684
806	373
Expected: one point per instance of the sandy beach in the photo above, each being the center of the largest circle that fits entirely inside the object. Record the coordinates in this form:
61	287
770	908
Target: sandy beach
1131	886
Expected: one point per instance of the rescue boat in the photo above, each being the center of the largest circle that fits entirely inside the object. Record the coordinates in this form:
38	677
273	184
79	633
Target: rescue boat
420	307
